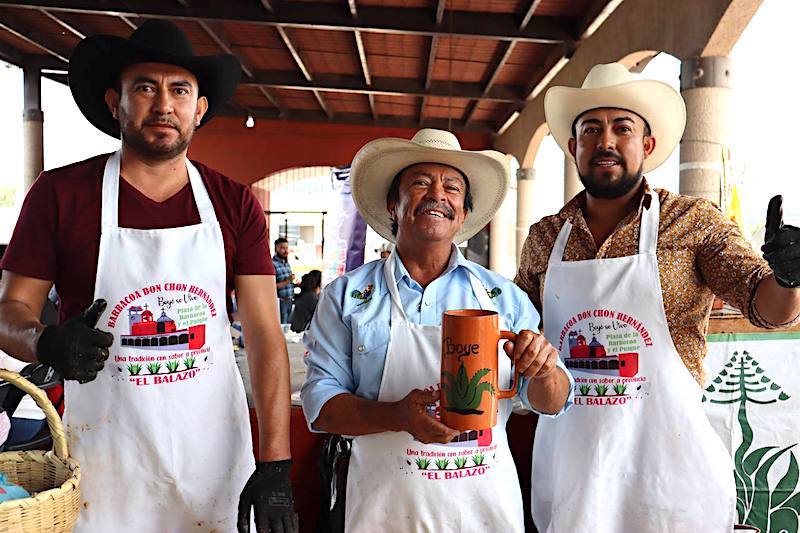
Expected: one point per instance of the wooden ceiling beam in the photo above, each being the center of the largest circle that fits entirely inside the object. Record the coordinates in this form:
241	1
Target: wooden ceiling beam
68	23
217	34
128	21
386	86
302	66
22	31
364	119
326	16
440	5
526	18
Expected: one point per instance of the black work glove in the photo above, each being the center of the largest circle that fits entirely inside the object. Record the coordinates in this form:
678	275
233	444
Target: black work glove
782	246
76	349
269	492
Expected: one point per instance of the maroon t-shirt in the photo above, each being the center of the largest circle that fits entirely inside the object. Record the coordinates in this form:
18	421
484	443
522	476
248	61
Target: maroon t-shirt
57	236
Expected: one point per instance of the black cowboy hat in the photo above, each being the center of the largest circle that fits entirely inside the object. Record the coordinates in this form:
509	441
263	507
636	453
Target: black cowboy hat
97	62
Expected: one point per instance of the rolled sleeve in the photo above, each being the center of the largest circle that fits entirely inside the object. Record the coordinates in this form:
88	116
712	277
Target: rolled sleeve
523	393
729	265
329	370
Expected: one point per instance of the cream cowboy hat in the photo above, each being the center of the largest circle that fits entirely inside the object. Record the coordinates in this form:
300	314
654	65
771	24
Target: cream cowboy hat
379	161
613	85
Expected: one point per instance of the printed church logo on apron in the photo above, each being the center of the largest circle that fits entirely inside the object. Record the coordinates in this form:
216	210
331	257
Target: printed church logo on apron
606	367
170	348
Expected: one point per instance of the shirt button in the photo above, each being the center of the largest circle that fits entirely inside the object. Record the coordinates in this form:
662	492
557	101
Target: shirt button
427	304
360	347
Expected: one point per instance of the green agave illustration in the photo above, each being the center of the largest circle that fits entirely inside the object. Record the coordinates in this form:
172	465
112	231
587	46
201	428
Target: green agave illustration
153	368
601	389
173	365
422	464
461	462
442	464
584	389
620	388
742	380
463	395
477	459
188	362
134	369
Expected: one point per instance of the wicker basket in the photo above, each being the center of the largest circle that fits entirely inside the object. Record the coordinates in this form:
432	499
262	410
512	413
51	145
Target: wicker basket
53	476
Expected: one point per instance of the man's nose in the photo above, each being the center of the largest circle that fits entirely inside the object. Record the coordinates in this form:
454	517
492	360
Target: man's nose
436	191
606	140
162	103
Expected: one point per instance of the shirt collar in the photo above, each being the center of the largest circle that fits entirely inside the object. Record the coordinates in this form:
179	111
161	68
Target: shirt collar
569	211
457	259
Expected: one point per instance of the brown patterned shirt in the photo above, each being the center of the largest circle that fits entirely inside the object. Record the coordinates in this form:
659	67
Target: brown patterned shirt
700	254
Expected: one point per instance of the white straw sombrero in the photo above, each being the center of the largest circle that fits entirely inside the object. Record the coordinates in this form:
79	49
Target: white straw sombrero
613	85
378	162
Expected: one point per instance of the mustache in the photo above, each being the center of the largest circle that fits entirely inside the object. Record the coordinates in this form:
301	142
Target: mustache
161	122
431	204
607	154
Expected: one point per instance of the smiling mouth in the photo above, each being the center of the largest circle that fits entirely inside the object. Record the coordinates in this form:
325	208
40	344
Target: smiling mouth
606	163
435	214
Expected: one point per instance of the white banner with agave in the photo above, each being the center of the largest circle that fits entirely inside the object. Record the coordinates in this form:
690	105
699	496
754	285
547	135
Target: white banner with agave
752	398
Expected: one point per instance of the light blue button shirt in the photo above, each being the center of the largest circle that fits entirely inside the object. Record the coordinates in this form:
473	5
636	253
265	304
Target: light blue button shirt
349	334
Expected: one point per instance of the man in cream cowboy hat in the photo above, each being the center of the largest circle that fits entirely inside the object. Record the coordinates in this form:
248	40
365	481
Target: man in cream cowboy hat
624	277
162	434
374	345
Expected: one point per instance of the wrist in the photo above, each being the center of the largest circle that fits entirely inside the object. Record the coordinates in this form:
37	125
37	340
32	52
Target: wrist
394	417
43	340
274	468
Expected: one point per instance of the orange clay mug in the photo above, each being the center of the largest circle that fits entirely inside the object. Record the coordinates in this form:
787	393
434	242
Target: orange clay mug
470	367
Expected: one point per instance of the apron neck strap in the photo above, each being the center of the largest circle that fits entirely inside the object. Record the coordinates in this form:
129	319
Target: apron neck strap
648	232
398	312
557	253
110	196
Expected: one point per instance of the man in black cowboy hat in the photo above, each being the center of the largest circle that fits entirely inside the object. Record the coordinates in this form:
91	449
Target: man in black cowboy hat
158	243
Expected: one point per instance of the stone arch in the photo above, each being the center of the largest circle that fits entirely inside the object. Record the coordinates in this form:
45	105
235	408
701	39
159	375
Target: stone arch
533	146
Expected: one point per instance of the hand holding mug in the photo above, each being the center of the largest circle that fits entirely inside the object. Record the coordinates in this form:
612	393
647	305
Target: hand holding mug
413	418
533	356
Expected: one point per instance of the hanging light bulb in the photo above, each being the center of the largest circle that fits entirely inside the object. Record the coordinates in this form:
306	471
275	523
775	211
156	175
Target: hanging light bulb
250	122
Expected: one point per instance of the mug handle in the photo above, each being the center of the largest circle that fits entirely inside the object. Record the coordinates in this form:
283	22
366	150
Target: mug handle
503	394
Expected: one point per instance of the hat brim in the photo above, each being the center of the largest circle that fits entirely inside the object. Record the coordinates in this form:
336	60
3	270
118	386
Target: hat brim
655	101
97	62
378	162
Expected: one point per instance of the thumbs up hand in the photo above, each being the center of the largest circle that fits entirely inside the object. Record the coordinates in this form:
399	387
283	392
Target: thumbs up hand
782	246
76	349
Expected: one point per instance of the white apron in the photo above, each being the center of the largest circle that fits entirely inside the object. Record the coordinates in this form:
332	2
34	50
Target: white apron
394	483
636	453
162	434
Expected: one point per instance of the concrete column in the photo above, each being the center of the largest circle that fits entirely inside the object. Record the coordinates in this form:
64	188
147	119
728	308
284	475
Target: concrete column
706	88
503	237
524	206
572	183
32	125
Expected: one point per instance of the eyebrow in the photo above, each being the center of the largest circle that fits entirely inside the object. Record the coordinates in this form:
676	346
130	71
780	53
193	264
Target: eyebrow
451	177
178	83
615	121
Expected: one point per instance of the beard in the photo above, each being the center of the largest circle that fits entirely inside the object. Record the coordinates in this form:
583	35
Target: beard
159	149
600	188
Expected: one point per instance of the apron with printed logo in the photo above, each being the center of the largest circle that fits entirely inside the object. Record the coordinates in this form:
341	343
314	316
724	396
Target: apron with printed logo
398	484
163	433
635	453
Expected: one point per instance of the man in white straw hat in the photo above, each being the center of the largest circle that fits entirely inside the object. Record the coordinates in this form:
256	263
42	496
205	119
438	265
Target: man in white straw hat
374	345
625	276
